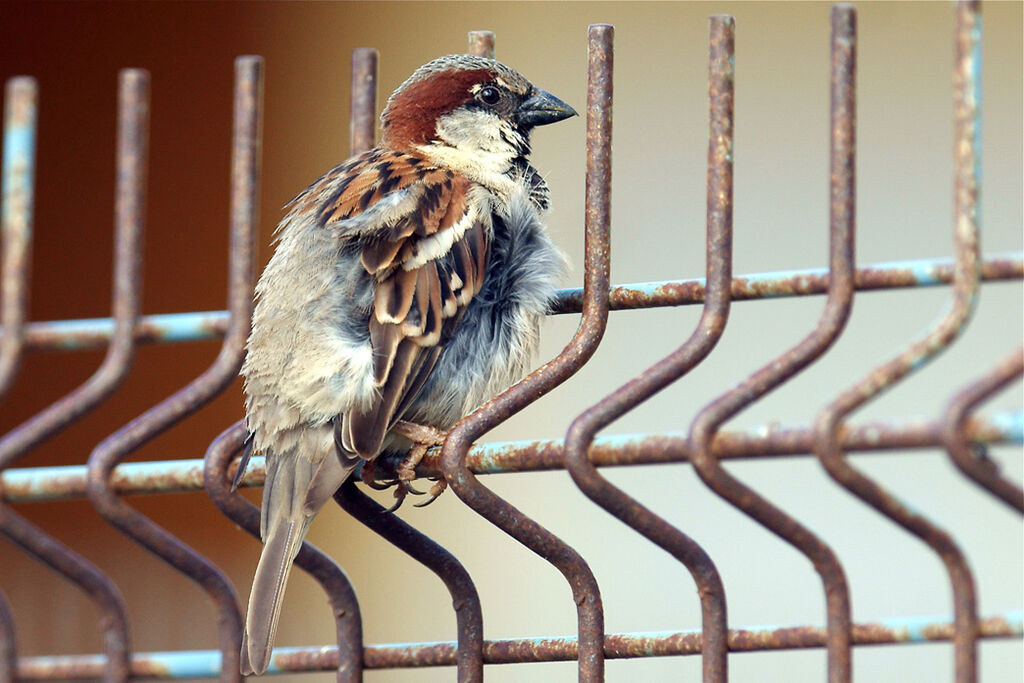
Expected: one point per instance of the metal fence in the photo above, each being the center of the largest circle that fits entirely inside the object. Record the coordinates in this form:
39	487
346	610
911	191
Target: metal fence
959	430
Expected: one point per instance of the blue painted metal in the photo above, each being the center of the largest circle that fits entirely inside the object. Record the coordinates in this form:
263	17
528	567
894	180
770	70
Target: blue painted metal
1010	423
18	164
67	482
40	484
90	333
206	663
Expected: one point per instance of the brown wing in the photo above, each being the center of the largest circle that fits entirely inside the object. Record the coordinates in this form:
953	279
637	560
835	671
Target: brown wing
427	249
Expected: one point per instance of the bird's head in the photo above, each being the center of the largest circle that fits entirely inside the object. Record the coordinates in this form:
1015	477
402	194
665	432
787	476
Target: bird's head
462	110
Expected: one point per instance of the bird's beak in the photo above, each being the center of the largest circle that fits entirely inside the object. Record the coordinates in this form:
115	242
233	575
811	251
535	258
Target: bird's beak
543	108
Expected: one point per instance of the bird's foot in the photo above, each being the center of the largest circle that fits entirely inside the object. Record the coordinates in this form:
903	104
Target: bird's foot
368	474
423	438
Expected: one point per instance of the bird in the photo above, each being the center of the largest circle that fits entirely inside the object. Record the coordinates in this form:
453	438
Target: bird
407	287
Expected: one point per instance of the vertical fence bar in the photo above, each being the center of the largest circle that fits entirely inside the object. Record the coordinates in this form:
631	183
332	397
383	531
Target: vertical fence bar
99	588
709	330
966	276
19	162
423	549
118	446
780	369
342	596
132	160
481	44
347	617
363	108
8	651
586	594
130	208
954	430
18	176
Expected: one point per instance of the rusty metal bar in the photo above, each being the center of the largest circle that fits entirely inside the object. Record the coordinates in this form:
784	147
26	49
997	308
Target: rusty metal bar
585	591
130	203
19	163
97	586
44	484
783	284
344	604
468	612
481	43
363	106
423	549
956	432
18	177
132	160
206	663
118	446
917	354
348	619
91	333
780	369
8	649
954	420
581	433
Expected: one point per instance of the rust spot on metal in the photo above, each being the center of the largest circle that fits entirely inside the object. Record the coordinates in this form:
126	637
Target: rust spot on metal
956	423
119	445
362	113
586	594
966	279
481	43
579	455
20	104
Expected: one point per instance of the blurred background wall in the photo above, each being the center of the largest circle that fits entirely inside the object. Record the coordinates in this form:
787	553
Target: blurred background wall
781	153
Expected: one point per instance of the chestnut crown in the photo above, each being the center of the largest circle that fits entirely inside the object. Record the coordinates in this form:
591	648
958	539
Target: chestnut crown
467	101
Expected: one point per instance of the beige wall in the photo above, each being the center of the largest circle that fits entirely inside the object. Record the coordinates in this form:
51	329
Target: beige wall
781	152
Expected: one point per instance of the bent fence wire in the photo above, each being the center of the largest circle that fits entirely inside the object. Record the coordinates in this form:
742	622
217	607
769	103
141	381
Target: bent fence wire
960	431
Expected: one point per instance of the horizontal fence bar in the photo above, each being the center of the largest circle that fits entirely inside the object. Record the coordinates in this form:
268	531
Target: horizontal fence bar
806	282
206	663
89	333
38	484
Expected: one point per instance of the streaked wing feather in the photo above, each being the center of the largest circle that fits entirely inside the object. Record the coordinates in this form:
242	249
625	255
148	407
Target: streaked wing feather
417	303
367	426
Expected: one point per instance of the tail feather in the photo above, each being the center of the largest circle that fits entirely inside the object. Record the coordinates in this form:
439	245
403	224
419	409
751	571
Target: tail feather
244	664
294	491
279	550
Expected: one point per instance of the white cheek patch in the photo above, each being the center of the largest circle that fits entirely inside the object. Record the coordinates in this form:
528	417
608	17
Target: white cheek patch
471	129
477	144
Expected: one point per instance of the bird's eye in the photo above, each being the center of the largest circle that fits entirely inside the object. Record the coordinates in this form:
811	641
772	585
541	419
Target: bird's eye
489	95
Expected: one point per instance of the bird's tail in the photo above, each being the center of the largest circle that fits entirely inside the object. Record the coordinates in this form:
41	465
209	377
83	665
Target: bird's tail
279	550
285	520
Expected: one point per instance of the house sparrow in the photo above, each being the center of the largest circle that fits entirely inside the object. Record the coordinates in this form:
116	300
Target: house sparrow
408	284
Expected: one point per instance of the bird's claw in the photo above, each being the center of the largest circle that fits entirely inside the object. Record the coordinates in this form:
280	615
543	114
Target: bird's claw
423	437
440	484
394	508
403	489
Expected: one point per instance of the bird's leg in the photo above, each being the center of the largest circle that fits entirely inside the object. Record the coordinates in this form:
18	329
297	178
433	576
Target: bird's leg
423	438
